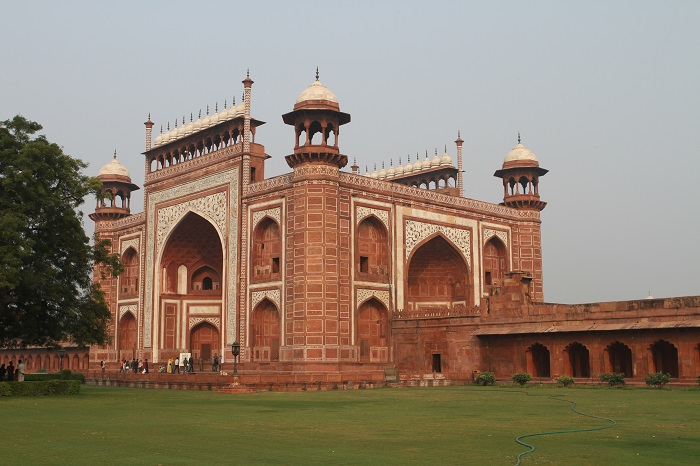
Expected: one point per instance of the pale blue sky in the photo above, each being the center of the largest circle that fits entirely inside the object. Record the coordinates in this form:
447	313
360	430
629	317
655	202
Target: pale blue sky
604	92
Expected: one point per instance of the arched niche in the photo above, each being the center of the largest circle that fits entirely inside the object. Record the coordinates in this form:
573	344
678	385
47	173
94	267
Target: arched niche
438	276
128	336
620	358
204	342
265	332
372	251
129	279
266	251
373	331
495	262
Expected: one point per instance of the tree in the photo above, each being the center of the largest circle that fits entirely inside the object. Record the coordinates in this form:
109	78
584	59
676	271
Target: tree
47	295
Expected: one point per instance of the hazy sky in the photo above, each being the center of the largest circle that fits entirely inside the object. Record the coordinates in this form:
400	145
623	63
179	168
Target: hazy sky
606	93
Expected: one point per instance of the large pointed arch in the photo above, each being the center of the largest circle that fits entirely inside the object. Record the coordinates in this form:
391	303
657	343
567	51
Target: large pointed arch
438	276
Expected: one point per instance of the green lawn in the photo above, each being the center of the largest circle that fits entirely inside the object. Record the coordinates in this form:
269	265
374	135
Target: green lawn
441	426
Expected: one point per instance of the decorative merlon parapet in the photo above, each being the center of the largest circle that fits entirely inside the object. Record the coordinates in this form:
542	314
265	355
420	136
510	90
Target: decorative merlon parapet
404	314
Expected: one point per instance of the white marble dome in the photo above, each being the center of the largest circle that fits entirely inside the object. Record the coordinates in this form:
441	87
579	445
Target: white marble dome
519	153
114	168
317	91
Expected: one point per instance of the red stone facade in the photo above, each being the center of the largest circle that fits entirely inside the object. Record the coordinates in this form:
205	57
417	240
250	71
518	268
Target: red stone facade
331	272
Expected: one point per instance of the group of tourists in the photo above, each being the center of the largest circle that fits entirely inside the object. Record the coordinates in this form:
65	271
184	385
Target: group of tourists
135	366
10	373
174	364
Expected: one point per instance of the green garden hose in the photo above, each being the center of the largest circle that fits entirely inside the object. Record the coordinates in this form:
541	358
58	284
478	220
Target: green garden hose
557	432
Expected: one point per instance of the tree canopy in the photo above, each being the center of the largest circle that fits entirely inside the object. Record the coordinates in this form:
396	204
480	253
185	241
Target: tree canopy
47	295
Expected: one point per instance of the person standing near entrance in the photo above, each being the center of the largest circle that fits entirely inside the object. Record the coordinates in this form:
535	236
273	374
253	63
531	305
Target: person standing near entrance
20	371
191	361
177	366
214	363
11	372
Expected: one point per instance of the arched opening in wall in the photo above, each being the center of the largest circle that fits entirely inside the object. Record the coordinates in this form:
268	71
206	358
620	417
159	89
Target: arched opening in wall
266	251
301	135
495	264
578	360
265	332
442	183
620	358
315	133
206	279
192	245
330	129
512	185
665	357
85	362
75	363
128	337
204	342
438	277
524	182
538	360
129	279
373	331
372	251
120	200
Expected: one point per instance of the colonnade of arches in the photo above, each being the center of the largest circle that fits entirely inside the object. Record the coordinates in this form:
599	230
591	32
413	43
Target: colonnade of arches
432	183
49	361
311	128
209	143
618	358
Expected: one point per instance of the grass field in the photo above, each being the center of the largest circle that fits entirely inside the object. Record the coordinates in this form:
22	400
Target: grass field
441	426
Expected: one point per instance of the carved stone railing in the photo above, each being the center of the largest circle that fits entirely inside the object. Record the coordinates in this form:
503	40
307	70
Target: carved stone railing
439	313
433	196
190	164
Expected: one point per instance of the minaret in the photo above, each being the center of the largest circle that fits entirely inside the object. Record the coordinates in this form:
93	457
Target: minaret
460	175
521	173
316	111
115	194
149	128
318	320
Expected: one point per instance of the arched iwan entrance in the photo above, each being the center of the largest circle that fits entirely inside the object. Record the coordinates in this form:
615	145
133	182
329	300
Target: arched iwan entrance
438	277
372	332
265	332
204	342
128	337
665	357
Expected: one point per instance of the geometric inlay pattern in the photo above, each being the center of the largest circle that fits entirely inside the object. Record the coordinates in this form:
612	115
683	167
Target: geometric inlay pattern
130	243
502	235
272	295
129	308
363	294
215	321
274	214
418	231
364	212
211	207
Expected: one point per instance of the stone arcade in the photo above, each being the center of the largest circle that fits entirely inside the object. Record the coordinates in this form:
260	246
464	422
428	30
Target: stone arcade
339	273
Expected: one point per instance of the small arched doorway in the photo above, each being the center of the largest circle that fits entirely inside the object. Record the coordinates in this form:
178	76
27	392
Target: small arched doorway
620	358
128	337
538	360
494	262
665	357
204	342
372	332
579	360
265	332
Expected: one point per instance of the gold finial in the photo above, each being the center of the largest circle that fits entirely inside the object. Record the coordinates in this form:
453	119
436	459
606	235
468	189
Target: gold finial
115	157
518	137
317	73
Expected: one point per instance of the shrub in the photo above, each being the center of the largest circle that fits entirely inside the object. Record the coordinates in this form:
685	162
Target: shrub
485	378
565	380
42	377
521	378
49	387
657	379
613	378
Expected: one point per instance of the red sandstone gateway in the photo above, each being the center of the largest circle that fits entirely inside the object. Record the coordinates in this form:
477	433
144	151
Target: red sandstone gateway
333	275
